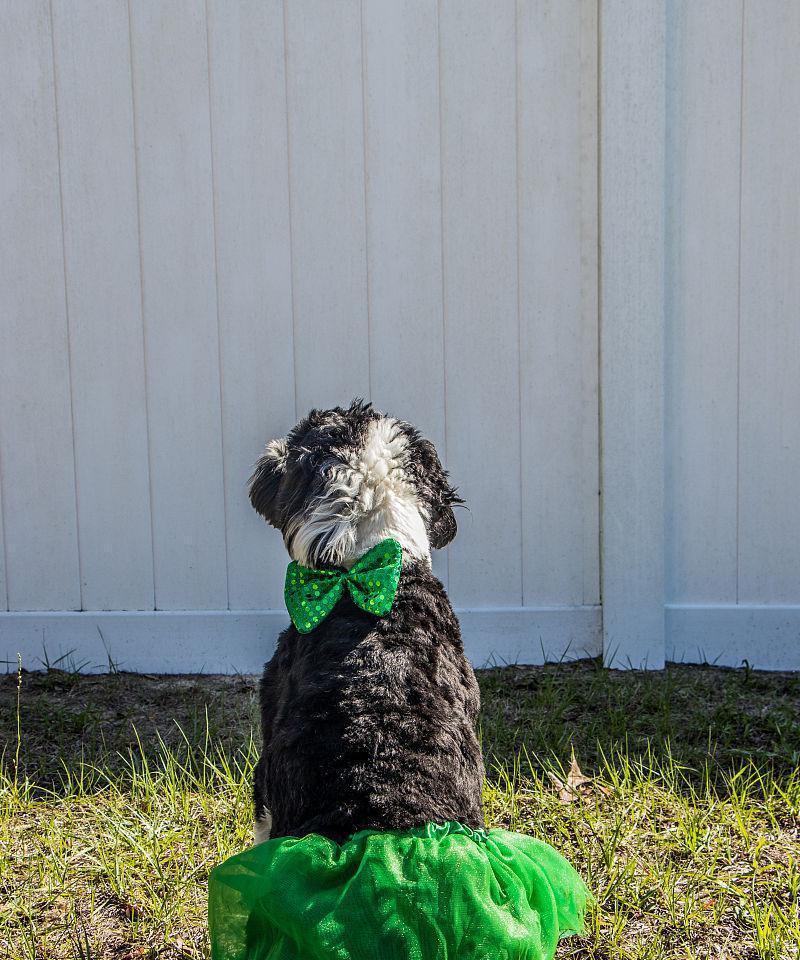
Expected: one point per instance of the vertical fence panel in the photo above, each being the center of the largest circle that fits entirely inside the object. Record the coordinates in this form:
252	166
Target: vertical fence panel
558	265
769	445
170	70
36	440
702	298
480	299
403	165
248	109
98	175
326	164
632	330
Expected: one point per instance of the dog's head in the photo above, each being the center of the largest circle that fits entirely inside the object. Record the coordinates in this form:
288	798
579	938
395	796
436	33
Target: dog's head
345	479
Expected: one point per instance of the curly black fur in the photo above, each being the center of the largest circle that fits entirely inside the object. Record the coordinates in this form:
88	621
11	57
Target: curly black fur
370	722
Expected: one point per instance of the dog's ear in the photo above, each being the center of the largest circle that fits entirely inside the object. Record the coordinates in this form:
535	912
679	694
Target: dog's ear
443	527
440	496
265	483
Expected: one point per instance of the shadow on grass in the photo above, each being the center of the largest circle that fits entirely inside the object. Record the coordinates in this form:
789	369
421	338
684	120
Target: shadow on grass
59	722
708	720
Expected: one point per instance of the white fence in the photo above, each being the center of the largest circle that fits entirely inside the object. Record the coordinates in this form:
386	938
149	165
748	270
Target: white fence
215	216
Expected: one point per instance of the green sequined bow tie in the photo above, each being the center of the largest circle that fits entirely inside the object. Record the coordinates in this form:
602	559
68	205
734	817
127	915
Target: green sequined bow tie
371	581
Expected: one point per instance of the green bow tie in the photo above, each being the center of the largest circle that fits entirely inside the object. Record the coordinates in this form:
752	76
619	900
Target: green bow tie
372	583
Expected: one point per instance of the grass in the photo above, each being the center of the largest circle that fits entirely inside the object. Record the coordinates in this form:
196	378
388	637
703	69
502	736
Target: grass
118	794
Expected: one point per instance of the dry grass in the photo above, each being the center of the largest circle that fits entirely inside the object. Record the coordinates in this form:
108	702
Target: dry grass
118	793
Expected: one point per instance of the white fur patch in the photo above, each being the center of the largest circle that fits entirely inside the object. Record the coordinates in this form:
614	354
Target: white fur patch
389	506
367	499
277	450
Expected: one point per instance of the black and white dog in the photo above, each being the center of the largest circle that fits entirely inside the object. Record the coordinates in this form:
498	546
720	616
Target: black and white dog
367	722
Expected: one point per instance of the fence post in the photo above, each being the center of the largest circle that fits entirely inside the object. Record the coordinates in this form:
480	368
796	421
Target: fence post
632	41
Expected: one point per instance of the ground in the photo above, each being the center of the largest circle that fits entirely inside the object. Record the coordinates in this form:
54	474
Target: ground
118	793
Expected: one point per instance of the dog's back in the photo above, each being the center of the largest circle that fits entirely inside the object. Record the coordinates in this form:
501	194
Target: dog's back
370	723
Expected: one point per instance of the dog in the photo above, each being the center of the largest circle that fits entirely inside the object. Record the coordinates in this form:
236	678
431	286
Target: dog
368	722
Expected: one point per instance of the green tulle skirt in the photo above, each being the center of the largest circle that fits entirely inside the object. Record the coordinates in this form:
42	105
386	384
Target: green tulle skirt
436	892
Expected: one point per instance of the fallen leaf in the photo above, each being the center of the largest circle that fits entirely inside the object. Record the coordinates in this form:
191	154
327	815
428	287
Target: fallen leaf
577	786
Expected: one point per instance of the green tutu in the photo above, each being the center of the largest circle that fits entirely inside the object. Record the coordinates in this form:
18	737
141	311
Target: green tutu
430	893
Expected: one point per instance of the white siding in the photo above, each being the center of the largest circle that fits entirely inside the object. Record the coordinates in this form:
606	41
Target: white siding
769	319
632	331
268	206
36	433
703	130
251	194
733	332
173	150
557	109
326	184
481	318
101	248
216	215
